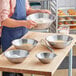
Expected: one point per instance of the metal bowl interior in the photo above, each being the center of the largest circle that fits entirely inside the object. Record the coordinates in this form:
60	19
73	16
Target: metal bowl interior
16	56
43	20
19	42
59	41
16	53
45	57
40	15
25	44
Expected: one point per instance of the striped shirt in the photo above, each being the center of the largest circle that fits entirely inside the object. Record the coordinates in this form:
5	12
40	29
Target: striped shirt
7	8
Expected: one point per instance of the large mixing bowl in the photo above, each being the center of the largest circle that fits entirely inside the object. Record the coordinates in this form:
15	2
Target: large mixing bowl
43	20
16	56
59	41
45	57
25	44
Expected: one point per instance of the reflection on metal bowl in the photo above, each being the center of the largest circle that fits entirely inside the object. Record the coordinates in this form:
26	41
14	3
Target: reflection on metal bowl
59	41
45	57
16	56
25	44
43	20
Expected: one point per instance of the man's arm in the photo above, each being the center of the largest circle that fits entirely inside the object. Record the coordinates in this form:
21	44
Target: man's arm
29	10
9	22
32	11
12	23
17	23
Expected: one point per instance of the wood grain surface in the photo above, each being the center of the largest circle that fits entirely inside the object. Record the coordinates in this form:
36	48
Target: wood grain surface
31	64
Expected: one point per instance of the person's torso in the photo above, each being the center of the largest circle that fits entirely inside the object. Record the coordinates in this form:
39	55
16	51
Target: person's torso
20	10
19	14
12	4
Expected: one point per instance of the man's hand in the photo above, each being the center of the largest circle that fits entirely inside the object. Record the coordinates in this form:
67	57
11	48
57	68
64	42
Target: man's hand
31	11
44	11
30	24
18	23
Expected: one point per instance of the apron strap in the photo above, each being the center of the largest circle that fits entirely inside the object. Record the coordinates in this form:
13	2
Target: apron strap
9	34
20	10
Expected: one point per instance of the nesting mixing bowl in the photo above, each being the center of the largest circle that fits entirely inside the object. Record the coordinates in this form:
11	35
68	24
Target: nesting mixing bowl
25	44
45	57
43	20
16	56
59	41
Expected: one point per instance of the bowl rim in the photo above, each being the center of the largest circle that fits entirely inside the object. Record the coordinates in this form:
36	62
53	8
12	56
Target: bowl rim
59	35
13	42
14	57
45	52
42	13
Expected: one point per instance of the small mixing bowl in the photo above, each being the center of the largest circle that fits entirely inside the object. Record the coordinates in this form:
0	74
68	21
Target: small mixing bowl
45	57
59	41
16	56
25	44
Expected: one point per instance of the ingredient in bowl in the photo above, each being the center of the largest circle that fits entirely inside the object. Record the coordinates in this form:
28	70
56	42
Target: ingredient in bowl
43	23
43	20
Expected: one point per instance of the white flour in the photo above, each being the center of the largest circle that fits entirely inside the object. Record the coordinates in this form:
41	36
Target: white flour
43	23
42	20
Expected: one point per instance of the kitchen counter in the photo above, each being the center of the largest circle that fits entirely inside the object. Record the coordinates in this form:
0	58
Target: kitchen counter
31	64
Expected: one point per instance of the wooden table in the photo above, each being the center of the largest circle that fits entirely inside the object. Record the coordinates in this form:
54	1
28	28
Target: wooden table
31	64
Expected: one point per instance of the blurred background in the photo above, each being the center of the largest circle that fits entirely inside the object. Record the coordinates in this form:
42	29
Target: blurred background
60	9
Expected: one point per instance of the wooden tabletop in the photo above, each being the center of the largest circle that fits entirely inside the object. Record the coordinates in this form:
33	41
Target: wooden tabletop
31	64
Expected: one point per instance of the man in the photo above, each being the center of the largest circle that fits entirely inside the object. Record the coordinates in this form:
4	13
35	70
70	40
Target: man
13	19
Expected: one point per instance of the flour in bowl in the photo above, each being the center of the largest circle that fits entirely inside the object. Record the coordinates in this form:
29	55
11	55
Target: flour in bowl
43	20
43	23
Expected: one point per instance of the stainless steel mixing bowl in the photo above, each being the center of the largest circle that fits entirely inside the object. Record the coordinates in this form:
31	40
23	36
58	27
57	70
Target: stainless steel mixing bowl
45	57
59	41
49	19
16	56
25	44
